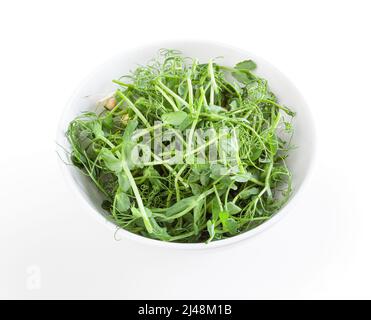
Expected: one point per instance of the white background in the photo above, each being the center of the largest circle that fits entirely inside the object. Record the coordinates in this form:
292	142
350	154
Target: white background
320	250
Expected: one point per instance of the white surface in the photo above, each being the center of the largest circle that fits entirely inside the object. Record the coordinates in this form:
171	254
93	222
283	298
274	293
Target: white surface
51	248
99	84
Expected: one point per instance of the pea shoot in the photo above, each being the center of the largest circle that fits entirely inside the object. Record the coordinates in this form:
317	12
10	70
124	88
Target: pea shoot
196	197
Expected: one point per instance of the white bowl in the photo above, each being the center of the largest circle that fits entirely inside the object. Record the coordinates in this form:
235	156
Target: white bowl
99	84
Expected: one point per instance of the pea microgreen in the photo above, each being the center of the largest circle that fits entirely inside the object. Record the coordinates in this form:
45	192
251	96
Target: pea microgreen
188	201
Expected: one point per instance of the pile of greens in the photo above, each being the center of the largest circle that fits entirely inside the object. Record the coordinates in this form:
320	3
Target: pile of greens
188	202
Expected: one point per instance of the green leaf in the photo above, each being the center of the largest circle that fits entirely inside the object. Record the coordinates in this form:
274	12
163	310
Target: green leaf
194	177
181	205
196	189
108	181
232	208
244	194
111	162
122	202
124	183
272	143
197	213
204	178
246	64
231	226
218	170
107	122
242	177
243	76
233	105
128	133
223	215
215	209
185	123
175	118
96	127
255	153
84	138
215	109
211	229
128	144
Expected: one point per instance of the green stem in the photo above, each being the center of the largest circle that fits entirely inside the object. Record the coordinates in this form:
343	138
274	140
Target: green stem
173	94
135	109
171	102
137	196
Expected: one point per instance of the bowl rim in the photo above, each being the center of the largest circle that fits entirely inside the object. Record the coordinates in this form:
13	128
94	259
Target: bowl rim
175	245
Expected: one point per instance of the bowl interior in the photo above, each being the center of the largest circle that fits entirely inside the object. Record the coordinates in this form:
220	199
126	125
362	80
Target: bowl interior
99	84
